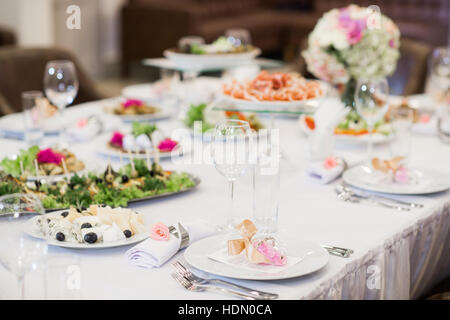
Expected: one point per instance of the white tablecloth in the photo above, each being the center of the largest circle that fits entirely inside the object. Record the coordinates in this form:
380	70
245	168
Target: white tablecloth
407	251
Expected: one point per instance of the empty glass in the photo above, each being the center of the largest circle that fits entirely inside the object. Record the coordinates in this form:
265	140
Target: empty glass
20	253
61	88
230	155
401	120
371	99
33	117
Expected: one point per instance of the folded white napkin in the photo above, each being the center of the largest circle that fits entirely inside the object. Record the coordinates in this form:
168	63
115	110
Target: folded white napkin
425	128
154	253
326	118
323	174
85	129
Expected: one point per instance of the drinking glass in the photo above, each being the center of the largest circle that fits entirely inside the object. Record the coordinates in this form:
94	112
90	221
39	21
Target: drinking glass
33	117
371	99
20	253
61	87
230	155
401	120
63	278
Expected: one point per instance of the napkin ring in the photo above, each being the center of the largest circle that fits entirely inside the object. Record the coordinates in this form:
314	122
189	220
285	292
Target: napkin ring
184	235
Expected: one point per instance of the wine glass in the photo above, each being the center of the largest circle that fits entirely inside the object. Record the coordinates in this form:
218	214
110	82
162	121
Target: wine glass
401	120
20	253
230	155
61	87
371	99
238	37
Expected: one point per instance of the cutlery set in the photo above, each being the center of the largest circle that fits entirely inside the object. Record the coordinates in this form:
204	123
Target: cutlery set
347	194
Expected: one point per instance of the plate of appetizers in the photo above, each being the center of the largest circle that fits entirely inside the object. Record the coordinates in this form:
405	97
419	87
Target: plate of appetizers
35	164
130	110
277	92
144	140
136	181
256	257
352	129
208	117
94	227
219	54
394	177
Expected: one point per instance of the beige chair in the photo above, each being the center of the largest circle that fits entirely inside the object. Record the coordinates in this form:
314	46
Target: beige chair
22	69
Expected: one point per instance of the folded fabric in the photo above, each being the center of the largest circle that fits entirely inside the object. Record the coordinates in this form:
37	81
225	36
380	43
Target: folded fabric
154	253
425	127
85	129
327	170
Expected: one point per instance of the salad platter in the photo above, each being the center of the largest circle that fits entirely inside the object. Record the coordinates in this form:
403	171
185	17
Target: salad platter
95	227
35	164
219	54
136	181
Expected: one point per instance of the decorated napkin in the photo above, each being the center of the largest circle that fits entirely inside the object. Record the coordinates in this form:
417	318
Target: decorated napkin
249	251
426	125
326	118
85	128
327	170
391	171
163	245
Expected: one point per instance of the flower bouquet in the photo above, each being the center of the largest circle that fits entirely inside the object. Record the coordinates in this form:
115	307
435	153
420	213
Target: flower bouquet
352	43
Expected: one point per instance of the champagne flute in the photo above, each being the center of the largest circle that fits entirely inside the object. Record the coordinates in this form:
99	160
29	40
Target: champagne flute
20	253
61	88
371	99
230	155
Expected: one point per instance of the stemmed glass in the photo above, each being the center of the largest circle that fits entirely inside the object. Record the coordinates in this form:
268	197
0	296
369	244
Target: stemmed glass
371	99
61	87
238	37
230	155
20	253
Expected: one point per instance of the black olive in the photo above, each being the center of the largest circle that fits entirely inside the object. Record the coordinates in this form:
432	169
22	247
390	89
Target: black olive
103	205
37	183
65	213
127	233
60	236
125	178
86	225
71	185
48	220
98	180
78	210
90	237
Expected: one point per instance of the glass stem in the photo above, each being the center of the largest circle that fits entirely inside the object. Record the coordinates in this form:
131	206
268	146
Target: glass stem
231	208
21	285
370	144
62	131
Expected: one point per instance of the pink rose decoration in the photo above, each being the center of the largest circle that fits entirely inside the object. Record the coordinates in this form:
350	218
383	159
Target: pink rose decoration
425	118
330	163
132	102
117	139
49	156
82	122
269	252
160	232
167	145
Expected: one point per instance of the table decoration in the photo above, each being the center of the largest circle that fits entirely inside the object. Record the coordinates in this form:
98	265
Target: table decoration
349	44
327	170
166	242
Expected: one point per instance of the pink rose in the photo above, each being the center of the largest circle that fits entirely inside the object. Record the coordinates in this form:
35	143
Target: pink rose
82	122
425	118
160	232
132	102
401	175
330	163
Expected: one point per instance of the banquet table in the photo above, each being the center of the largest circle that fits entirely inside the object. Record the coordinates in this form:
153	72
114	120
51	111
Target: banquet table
408	252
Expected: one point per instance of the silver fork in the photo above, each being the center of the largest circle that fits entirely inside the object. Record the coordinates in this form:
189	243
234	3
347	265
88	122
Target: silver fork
191	286
184	271
340	252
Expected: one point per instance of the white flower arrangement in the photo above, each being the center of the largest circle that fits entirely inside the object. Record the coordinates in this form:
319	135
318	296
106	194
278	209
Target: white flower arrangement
351	43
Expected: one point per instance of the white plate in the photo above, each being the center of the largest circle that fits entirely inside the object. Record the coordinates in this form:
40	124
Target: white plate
31	229
430	181
377	138
211	61
197	256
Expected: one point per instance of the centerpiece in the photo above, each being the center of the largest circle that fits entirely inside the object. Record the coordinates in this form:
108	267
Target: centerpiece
352	43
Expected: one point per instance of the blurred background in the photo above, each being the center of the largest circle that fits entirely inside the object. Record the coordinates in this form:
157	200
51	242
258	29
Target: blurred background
115	35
